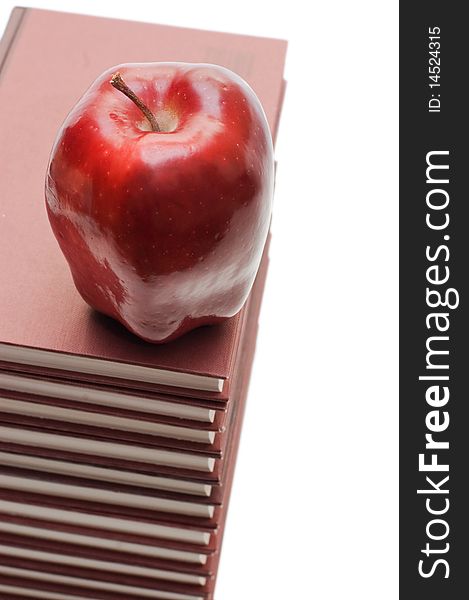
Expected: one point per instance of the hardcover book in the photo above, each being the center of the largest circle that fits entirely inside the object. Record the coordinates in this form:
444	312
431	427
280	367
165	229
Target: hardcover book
58	331
117	456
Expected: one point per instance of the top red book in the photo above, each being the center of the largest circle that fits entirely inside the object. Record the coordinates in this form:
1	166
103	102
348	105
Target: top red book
47	60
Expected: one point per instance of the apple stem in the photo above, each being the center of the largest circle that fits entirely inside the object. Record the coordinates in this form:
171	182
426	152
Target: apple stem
119	84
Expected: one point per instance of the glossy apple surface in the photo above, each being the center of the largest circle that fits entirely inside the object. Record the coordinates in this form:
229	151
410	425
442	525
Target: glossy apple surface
163	231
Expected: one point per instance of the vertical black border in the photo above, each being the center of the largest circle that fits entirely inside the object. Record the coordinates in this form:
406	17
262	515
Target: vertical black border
420	133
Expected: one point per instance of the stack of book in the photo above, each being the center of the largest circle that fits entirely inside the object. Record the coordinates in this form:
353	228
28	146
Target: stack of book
116	456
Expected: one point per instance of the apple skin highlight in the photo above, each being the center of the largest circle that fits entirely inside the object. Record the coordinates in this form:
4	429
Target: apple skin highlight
163	230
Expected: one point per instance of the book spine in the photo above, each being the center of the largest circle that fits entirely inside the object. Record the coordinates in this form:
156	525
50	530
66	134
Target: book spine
10	33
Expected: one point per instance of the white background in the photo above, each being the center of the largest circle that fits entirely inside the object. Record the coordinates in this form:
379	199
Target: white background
314	506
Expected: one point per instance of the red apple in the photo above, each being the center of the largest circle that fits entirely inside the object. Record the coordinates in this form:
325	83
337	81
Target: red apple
159	191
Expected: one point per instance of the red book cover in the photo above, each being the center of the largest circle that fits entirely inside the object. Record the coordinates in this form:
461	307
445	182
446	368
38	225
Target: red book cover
41	310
